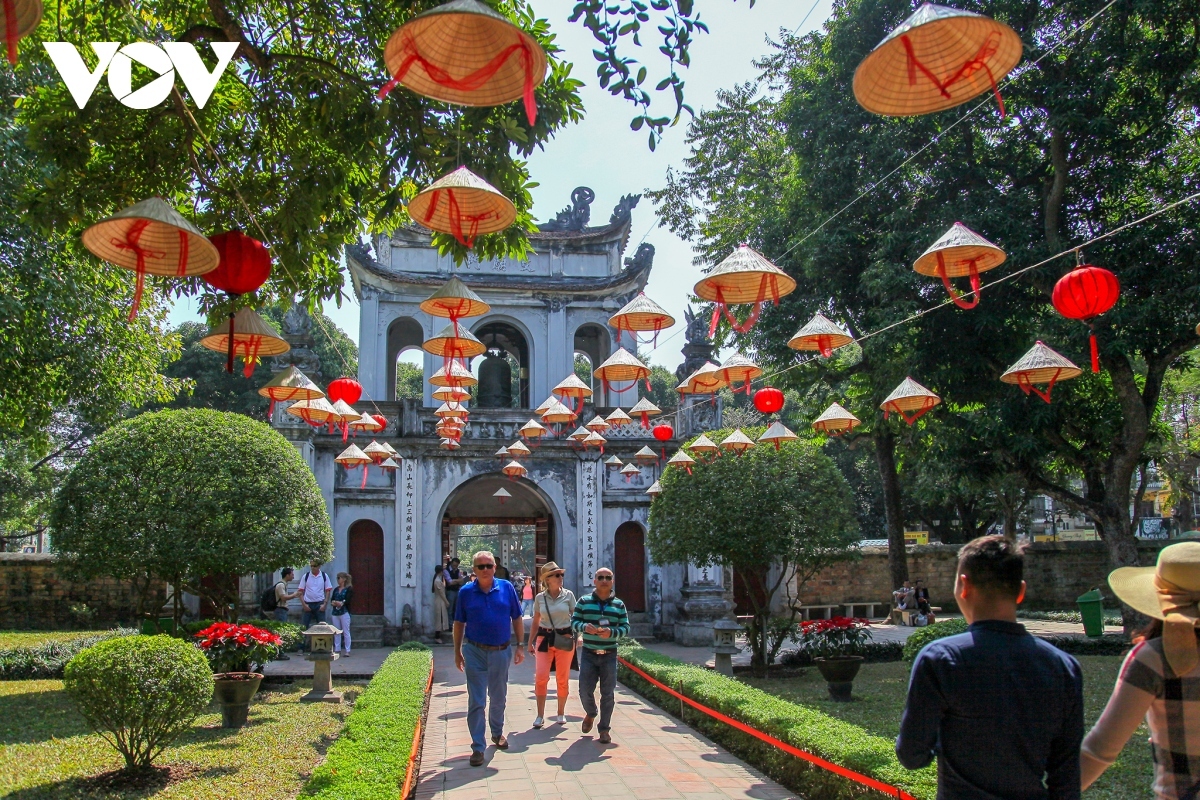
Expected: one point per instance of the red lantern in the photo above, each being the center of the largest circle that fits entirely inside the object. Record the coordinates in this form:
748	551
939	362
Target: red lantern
346	389
245	263
768	400
663	432
1085	293
381	419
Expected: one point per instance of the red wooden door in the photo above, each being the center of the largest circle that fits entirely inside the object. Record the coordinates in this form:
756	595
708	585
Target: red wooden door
366	566
629	545
742	589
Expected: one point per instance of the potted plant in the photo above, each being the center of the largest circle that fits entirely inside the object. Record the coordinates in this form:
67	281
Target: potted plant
235	653
833	645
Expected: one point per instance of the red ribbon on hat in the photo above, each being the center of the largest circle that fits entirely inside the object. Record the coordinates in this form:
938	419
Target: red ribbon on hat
457	218
10	30
969	68
130	242
955	296
767	280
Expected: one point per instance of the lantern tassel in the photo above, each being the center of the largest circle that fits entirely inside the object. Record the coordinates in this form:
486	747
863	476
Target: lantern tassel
271	409
363	485
1095	352
10	30
229	358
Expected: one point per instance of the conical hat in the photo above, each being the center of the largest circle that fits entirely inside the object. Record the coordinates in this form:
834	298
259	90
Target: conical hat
389	464
938	58
167	243
454	300
462	204
705	380
613	461
514	468
645	456
777	433
641	314
343	412
466	53
502	493
27	15
451	410
502	452
632	469
1041	365
579	434
703	444
958	247
572	386
352	456
557	414
739	369
819	333
740	279
518	449
290	384
451	394
314	412
910	396
549	401
681	459
621	366
618	418
376	452
835	419
448	444
533	429
391	450
251	336
644	406
597	424
594	438
459	376
366	423
454	341
737	442
655	489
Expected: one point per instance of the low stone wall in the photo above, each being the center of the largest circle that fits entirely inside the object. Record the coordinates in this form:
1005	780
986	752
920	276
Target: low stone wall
1055	574
34	596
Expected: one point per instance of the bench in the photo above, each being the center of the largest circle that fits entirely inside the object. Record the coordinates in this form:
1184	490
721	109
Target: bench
868	606
825	611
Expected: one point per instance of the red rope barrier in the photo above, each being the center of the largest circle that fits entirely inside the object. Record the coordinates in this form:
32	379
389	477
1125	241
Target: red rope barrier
829	766
416	745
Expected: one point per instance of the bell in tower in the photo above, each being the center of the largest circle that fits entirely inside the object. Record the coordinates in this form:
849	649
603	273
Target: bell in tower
495	381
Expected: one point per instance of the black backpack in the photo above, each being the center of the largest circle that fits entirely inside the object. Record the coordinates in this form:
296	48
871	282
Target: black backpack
268	601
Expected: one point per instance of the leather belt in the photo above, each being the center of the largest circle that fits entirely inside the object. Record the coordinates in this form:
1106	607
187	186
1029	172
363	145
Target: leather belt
487	646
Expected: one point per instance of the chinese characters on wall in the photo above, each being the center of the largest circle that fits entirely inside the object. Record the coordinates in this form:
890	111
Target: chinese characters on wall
589	506
408	561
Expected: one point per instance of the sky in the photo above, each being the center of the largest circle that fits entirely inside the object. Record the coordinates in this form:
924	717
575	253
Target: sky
604	154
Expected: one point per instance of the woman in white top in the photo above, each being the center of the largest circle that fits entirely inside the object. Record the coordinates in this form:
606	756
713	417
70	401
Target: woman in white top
552	640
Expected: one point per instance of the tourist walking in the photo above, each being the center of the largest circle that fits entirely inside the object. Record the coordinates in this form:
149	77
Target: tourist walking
1001	710
315	588
441	604
527	596
486	618
454	581
602	619
552	640
340	600
1160	679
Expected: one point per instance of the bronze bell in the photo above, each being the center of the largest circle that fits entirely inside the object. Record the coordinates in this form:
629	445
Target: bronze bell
495	381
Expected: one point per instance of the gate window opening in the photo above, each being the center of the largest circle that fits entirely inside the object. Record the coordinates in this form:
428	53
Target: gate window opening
514	546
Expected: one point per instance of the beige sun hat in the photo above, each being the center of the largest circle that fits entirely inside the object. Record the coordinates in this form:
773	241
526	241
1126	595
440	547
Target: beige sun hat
641	314
548	569
454	300
745	276
1169	591
460	376
252	339
705	380
621	366
290	384
910	400
454	341
1040	365
836	420
739	369
463	205
821	334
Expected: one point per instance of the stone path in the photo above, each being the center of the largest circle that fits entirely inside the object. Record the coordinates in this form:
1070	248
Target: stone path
362	663
652	756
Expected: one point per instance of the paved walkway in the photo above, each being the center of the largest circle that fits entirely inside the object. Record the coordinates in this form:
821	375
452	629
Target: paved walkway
362	663
652	756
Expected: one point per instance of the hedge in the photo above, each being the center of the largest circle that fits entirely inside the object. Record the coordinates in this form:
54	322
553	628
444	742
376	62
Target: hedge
369	760
938	630
1108	645
46	661
806	728
1110	617
291	633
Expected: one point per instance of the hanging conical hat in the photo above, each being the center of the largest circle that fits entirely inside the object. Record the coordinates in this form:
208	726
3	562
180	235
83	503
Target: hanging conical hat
514	469
703	444
836	420
518	450
680	459
632	469
153	237
253	338
502	452
502	494
26	16
454	300
655	489
644	406
613	461
909	396
366	423
596	439
391	450
463	205
579	434
549	401
745	276
352	456
449	444
376	452
572	386
315	412
645	456
705	380
777	433
958	247
621	366
451	394
389	464
938	58
451	410
344	412
459	376
1041	365
618	418
598	424
290	384
454	341
557	414
466	53
641	314
737	442
819	333
739	369
449	431
532	429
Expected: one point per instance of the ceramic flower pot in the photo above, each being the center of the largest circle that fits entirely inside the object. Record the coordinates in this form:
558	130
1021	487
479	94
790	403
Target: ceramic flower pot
234	691
839	672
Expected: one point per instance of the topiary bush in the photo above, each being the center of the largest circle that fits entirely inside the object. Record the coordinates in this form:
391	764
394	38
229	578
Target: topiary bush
46	661
938	630
139	692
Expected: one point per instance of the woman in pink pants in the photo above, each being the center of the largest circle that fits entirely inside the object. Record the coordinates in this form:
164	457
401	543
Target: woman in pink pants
552	640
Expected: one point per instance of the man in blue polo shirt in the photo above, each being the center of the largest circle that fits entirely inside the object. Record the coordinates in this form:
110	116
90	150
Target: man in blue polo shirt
487	616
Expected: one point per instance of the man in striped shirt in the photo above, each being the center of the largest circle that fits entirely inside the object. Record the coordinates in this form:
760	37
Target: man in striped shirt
602	619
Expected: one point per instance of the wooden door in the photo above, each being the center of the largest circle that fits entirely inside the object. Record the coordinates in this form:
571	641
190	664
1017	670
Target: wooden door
742	589
629	547
366	566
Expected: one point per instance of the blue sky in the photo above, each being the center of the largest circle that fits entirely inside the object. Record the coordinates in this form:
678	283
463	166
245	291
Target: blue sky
604	154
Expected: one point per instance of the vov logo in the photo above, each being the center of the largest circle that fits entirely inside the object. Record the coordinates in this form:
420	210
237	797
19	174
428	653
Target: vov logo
165	59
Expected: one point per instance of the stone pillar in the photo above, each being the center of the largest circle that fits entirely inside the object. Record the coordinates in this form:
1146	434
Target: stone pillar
703	604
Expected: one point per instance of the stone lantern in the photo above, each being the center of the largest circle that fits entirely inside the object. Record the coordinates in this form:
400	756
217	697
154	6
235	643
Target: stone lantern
319	639
725	632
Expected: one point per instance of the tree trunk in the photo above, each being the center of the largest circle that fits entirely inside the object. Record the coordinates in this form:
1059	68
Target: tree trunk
885	455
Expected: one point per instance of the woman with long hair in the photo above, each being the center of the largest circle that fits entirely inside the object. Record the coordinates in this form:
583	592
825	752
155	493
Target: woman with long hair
551	639
1160	679
441	603
341	598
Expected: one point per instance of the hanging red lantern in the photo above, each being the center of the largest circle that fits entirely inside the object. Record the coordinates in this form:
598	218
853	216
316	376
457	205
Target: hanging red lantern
346	389
244	266
768	400
381	419
663	432
1085	293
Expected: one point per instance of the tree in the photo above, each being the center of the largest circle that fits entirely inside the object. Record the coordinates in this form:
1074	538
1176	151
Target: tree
188	495
410	381
777	517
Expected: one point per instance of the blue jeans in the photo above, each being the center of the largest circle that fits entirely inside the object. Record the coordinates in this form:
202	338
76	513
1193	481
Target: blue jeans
312	614
281	614
487	679
596	667
527	607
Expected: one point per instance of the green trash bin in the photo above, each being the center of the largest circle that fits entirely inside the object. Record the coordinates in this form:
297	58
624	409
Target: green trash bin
1091	608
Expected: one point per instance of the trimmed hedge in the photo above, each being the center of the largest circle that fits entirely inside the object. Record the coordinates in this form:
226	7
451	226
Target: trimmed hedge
291	633
1110	645
369	759
46	661
938	630
806	728
1110	617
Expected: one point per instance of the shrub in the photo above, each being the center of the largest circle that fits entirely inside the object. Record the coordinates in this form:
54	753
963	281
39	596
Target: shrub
938	630
416	646
806	728
291	634
1111	645
1068	616
237	648
369	760
139	692
872	653
830	638
46	661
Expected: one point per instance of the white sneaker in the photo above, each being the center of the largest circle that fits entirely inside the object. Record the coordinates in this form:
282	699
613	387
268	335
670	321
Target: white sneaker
539	722
560	719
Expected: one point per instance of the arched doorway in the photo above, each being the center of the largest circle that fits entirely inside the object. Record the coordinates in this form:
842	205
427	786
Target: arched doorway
403	334
505	343
629	565
365	545
593	343
519	531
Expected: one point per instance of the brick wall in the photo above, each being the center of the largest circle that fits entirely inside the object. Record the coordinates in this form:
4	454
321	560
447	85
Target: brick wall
34	596
1055	574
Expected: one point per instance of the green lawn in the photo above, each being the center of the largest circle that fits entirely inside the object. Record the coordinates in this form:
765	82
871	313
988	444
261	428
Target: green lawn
47	753
11	639
879	693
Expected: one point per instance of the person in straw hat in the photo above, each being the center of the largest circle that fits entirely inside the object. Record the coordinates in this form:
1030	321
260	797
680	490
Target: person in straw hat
1159	681
552	640
1001	710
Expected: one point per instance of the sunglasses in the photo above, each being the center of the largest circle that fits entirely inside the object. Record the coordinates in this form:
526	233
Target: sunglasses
484	566
604	577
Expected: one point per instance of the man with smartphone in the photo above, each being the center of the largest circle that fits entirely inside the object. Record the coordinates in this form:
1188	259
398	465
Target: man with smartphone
602	619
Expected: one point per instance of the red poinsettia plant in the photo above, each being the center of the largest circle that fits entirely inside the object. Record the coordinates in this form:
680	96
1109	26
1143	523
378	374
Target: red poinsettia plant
830	638
237	648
